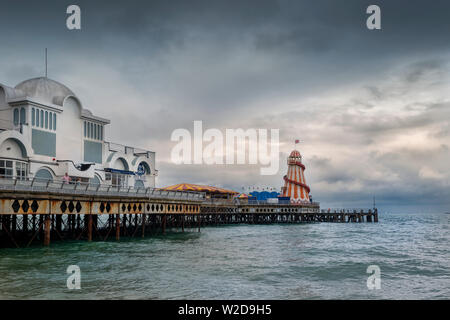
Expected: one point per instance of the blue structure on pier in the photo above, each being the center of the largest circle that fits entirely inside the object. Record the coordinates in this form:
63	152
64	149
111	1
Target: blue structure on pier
263	195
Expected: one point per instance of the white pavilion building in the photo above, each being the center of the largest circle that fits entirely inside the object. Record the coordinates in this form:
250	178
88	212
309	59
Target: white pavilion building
45	133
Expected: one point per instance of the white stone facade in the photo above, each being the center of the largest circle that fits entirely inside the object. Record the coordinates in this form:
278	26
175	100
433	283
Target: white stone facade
45	133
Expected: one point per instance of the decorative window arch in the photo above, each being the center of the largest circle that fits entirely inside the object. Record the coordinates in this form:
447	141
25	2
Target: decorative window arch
43	175
144	167
42	118
120	161
139	184
23	116
95	180
16	117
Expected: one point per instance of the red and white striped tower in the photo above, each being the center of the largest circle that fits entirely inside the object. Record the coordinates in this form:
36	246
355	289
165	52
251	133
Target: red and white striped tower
295	185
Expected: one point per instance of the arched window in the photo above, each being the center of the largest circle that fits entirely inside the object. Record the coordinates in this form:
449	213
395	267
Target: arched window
143	169
95	131
43	175
50	123
85	129
37	117
101	132
46	119
33	116
23	118
94	181
42	118
88	130
16	117
92	130
138	184
54	121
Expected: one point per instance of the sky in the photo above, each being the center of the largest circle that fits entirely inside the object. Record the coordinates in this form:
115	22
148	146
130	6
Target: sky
371	107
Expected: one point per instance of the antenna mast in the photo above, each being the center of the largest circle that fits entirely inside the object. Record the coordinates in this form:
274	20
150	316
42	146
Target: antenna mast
46	64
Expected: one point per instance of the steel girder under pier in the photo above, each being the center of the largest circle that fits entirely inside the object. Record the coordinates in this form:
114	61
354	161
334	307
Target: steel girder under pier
27	218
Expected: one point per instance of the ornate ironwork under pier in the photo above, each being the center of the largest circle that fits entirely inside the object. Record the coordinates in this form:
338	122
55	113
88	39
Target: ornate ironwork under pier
32	212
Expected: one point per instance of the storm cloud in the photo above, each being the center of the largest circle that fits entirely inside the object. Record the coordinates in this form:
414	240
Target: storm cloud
371	107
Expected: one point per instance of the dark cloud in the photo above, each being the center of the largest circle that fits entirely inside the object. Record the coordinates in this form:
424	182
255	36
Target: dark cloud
372	107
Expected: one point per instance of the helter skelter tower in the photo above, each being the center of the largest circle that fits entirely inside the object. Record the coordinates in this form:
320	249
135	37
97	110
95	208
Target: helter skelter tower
295	185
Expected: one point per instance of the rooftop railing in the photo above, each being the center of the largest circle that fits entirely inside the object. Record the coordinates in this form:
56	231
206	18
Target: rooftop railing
238	201
351	210
279	202
112	146
89	189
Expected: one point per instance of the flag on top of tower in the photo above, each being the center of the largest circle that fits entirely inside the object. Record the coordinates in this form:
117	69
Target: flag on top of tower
295	186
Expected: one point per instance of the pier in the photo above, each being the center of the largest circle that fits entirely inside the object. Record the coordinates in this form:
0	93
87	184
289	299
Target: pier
39	212
60	184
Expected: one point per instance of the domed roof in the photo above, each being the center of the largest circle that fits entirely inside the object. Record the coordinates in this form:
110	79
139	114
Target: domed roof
295	154
45	90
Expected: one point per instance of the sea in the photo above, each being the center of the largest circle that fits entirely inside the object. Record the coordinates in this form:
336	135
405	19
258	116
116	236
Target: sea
409	253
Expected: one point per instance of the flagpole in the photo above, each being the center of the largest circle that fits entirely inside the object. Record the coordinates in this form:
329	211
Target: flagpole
46	63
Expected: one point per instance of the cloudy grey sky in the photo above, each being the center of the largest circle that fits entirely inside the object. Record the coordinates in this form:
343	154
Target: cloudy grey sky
372	107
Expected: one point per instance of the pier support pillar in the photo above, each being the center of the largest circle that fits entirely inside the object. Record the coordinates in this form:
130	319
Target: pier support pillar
47	224
375	215
117	227
14	224
25	224
69	223
41	225
59	223
163	225
33	222
182	223
78	222
143	225
124	222
199	218
90	227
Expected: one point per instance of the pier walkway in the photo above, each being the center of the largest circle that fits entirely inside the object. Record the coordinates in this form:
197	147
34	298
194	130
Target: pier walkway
33	211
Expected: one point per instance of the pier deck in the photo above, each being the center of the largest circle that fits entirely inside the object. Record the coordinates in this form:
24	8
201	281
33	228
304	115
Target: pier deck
40	212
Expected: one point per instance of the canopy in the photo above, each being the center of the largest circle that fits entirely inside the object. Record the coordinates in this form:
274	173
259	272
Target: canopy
119	171
242	196
200	188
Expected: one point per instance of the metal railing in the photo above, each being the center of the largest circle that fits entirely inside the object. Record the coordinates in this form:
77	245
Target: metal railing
117	147
237	201
352	210
220	201
278	203
89	189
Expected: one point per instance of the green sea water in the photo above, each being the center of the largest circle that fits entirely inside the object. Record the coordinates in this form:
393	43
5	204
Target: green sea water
303	261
